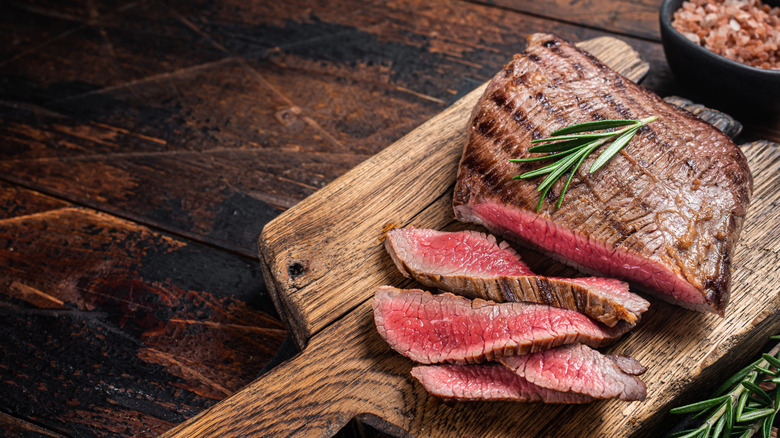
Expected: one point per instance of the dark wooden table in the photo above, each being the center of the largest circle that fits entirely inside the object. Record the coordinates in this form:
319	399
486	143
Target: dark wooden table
144	144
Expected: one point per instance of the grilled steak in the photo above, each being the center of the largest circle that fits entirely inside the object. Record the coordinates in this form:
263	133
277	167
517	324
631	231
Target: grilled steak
581	370
449	328
568	374
664	213
474	265
487	382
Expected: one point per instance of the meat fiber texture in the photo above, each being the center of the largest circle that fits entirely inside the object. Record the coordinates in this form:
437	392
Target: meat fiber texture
490	381
449	328
581	370
568	374
665	213
475	265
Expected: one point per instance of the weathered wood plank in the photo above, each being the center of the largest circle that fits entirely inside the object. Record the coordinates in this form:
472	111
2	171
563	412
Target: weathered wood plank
113	328
627	17
437	51
99	46
14	427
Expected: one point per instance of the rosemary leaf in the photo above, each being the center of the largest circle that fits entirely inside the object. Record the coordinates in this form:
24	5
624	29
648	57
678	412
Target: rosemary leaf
699	406
568	180
592	126
729	416
766	429
541	198
538	172
736	378
591	136
570	146
554	175
775	362
564	165
747	433
746	409
741	405
719	427
681	433
559	145
543	157
755	389
694	432
754	415
613	149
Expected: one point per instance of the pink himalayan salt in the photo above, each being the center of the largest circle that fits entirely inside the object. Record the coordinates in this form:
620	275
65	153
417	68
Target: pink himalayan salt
745	31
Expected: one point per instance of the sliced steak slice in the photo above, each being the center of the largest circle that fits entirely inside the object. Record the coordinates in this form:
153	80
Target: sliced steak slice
487	382
475	265
665	212
449	328
582	370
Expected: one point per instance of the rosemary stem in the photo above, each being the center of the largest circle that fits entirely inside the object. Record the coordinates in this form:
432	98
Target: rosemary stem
715	416
755	427
737	391
647	120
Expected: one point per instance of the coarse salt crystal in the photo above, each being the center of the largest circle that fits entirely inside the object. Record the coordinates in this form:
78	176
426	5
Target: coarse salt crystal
746	31
709	20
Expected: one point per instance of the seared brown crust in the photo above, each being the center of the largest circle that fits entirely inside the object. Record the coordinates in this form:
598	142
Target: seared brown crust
676	196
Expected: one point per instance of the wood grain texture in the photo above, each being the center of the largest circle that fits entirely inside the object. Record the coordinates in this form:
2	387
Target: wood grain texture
308	252
636	18
111	328
14	427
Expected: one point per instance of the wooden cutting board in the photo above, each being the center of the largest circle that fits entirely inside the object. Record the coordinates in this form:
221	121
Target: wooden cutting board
324	258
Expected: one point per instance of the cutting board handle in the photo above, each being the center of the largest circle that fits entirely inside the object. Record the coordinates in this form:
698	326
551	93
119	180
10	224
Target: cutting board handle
346	371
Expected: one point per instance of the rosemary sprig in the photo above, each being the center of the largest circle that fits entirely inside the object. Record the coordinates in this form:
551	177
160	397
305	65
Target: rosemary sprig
572	144
740	407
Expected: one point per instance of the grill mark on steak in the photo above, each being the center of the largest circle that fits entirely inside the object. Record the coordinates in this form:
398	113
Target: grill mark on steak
500	99
547	294
621	109
486	126
623	112
506	288
476	265
652	165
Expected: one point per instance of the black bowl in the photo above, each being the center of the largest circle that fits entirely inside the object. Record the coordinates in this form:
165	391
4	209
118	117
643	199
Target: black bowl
717	80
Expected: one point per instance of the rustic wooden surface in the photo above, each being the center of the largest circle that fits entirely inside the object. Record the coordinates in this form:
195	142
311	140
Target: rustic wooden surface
143	146
325	256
